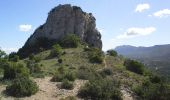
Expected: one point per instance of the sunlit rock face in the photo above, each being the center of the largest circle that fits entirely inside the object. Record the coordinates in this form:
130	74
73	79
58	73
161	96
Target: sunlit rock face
67	19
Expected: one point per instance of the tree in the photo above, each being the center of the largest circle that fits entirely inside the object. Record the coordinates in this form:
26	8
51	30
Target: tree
134	66
13	57
70	41
13	70
22	86
56	51
112	52
2	54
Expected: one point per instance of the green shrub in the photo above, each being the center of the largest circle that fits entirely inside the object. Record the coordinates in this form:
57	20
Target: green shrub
66	84
134	66
85	73
56	51
70	41
13	70
101	89
106	71
31	57
58	77
96	55
70	76
13	57
155	79
152	91
37	59
60	60
33	66
2	54
21	87
112	52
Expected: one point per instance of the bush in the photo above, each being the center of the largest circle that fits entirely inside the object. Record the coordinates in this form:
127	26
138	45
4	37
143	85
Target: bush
70	76
134	66
101	89
66	84
33	67
152	91
37	59
85	73
96	55
58	77
56	51
13	57
112	52
21	87
106	71
14	70
31	57
60	60
70	41
2	54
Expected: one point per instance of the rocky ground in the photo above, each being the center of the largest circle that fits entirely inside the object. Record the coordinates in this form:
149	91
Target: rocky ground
48	90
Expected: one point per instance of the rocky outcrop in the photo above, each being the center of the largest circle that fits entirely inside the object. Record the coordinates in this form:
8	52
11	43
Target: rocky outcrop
66	19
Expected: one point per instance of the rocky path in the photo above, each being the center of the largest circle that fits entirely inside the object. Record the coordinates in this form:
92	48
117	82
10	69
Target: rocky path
48	90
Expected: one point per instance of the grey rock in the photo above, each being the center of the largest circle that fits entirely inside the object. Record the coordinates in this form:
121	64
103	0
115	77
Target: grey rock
66	19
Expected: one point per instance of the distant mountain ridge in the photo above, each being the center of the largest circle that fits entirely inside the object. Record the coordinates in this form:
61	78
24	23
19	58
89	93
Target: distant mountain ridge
157	51
155	57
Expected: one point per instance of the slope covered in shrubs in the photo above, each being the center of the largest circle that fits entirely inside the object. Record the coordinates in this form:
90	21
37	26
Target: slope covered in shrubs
22	86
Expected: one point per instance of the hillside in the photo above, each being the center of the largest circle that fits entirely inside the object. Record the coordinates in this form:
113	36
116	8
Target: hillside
156	57
73	60
63	60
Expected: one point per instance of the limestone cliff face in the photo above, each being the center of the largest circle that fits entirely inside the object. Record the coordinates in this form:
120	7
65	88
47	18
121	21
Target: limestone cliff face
66	19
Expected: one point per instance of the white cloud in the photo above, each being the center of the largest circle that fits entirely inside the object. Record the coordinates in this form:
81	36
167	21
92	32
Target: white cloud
9	50
135	31
142	7
162	13
25	27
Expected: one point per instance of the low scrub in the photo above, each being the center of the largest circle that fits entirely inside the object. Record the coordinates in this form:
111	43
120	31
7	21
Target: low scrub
112	52
106	71
58	77
13	70
62	74
66	84
101	89
56	51
21	87
152	91
70	41
33	66
85	73
95	55
134	66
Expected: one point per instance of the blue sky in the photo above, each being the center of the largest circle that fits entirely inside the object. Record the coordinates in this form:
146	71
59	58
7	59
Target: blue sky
121	22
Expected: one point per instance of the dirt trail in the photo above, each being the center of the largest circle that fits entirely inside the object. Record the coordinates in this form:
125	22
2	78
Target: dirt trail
127	94
48	90
104	61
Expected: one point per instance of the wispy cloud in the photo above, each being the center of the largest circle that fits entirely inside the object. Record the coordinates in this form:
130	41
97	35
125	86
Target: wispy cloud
136	31
162	13
142	7
25	27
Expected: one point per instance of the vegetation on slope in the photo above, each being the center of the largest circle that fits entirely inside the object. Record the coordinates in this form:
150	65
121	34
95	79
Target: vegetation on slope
106	74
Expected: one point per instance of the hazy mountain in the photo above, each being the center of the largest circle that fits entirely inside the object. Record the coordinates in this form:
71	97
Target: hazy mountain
155	57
